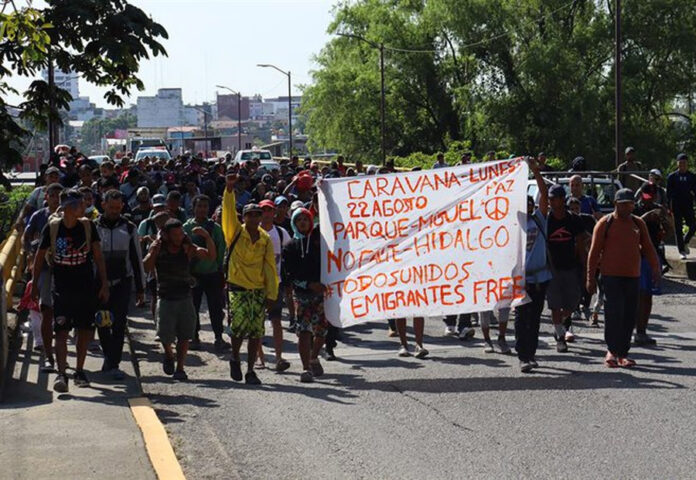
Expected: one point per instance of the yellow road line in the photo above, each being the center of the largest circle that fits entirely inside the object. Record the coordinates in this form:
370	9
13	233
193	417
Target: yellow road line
157	443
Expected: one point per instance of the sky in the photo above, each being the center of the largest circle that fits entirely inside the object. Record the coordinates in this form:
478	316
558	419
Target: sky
219	42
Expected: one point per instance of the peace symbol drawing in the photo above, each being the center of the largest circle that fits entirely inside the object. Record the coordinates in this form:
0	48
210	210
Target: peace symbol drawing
497	208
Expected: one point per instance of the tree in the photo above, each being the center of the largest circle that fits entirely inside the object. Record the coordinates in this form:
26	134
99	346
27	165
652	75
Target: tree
96	128
102	40
514	75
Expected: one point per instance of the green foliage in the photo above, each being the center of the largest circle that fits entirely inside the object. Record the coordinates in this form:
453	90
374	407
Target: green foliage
10	204
102	40
514	75
96	128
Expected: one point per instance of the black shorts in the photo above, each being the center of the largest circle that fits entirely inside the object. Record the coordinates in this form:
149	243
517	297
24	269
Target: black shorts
277	310
71	311
152	287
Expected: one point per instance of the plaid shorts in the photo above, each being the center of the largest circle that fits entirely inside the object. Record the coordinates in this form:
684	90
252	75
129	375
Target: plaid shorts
310	314
246	313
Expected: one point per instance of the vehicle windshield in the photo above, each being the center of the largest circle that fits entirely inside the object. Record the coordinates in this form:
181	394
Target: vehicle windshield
153	154
256	156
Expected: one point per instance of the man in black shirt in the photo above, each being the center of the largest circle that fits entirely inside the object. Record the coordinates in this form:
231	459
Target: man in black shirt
566	238
681	189
73	247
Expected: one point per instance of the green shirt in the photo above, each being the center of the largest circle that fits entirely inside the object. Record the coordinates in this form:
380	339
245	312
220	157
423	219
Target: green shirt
200	267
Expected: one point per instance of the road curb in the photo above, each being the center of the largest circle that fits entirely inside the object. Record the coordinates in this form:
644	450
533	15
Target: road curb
157	444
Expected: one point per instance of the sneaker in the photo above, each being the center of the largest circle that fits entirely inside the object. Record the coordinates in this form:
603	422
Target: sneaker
503	345
195	344
421	352
569	335
642	339
251	379
534	363
306	377
488	347
48	365
117	374
330	356
526	367
168	364
236	370
403	351
180	375
221	345
282	365
467	333
60	384
587	314
450	331
80	379
561	346
317	369
682	256
576	315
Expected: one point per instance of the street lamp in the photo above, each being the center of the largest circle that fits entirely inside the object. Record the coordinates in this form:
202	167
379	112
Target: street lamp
265	65
239	114
205	127
379	47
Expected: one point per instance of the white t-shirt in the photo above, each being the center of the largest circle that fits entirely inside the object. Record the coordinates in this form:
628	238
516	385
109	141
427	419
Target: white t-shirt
278	243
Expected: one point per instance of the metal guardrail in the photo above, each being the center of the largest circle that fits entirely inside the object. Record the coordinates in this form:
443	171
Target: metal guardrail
12	259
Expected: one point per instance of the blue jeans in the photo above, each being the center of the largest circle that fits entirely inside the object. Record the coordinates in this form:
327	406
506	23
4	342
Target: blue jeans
620	311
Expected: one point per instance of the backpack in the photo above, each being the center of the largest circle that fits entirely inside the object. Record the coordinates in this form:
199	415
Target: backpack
610	220
54	222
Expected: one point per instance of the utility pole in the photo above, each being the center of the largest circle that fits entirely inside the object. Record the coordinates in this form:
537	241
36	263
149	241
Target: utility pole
51	105
382	103
617	81
287	74
239	114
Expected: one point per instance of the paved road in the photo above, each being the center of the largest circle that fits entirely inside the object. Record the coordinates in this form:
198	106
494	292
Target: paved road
459	414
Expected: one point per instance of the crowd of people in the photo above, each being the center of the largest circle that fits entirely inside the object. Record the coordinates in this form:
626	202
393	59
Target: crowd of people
247	238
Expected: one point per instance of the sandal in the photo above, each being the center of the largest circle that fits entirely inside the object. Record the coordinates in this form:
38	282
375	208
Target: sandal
610	361
626	362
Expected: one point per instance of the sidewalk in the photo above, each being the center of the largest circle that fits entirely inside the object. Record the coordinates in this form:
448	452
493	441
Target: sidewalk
88	433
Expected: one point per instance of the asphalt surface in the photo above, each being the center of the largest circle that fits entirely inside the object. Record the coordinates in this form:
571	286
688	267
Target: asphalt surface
460	413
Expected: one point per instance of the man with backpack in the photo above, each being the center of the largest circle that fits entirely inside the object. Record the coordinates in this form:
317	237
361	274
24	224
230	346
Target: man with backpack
124	268
72	245
280	238
618	243
208	273
32	238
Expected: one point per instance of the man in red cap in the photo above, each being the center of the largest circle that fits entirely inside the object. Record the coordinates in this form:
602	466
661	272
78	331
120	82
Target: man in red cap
280	238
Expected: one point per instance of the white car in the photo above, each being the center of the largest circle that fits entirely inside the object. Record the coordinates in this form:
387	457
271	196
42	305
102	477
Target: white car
263	156
153	153
100	159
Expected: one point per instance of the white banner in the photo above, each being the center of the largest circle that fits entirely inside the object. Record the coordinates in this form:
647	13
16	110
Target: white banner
427	243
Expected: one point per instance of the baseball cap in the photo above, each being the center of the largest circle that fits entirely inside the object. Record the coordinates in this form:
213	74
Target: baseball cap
296	204
267	203
251	208
52	170
159	200
629	150
649	191
624	195
280	199
557	191
656	172
143	191
681	156
69	198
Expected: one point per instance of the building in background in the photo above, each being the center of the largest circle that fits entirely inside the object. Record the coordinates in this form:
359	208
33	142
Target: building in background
228	107
66	80
166	109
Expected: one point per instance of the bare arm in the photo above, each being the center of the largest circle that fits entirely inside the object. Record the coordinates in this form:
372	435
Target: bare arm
207	253
101	270
541	185
151	257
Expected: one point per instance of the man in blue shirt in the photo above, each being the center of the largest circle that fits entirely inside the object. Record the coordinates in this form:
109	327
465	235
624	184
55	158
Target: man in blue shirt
588	205
538	275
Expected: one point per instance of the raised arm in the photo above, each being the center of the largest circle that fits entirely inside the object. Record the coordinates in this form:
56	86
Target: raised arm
541	185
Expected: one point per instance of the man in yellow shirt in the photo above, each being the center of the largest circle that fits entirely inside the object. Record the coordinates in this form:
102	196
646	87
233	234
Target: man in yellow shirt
252	282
